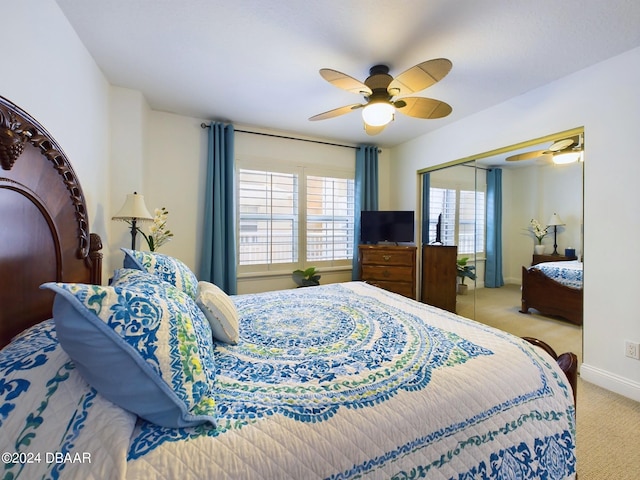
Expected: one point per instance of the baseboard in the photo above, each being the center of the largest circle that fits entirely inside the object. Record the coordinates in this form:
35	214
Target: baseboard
615	383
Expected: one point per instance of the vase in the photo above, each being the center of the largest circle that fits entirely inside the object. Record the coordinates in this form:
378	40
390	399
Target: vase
539	249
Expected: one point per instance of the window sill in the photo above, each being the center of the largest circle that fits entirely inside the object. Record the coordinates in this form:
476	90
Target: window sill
287	273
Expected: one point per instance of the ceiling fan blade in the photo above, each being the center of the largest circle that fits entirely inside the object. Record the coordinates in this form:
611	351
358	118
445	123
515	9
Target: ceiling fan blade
420	107
563	144
336	112
371	130
420	76
527	155
345	82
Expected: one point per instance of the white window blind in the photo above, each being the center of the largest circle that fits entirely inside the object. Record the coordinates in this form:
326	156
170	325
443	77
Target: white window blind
461	210
294	218
330	218
268	217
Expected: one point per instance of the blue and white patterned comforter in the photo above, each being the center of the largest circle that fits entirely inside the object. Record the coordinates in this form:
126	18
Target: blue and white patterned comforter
339	381
566	273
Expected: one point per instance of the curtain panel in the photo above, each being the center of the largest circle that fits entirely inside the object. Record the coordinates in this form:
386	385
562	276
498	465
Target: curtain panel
218	263
366	194
493	267
426	207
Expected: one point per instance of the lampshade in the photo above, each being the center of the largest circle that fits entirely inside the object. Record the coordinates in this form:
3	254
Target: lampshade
378	114
554	220
133	208
566	157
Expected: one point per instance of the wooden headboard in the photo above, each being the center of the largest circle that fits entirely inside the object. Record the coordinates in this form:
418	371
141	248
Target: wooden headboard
44	227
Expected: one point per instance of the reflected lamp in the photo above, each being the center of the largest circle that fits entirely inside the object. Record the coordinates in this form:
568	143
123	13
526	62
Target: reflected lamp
555	222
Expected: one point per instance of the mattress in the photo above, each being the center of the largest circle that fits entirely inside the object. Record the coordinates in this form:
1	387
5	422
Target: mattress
337	381
566	273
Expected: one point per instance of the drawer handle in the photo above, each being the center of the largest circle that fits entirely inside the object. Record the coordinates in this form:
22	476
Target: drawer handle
386	257
386	274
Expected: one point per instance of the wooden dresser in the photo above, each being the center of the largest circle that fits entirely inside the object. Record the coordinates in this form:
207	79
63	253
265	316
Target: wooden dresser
439	276
392	267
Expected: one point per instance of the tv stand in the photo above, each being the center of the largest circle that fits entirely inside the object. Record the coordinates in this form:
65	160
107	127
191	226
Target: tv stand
389	266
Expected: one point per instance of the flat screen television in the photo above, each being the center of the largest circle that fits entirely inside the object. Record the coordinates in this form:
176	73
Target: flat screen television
387	226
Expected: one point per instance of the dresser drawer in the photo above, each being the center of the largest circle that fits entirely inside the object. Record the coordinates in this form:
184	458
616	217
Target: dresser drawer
402	288
383	272
388	257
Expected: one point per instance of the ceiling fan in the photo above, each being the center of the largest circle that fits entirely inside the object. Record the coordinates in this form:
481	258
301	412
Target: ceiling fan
558	151
380	91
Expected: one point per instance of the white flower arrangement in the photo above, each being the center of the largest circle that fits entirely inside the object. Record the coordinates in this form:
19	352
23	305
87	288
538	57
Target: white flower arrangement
158	233
538	231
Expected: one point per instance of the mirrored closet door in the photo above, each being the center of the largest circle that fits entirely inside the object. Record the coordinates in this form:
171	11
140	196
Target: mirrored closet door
531	187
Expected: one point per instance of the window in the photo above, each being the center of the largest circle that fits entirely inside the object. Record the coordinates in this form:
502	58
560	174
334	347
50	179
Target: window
329	218
463	218
294	217
268	213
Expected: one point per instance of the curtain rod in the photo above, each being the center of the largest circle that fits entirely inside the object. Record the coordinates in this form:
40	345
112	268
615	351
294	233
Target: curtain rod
204	125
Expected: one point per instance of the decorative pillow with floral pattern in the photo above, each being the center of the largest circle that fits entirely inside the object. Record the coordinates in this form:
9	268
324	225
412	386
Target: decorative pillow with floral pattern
146	346
168	268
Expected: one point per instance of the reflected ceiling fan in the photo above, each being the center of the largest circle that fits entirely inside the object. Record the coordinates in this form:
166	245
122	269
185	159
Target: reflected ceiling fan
566	150
380	91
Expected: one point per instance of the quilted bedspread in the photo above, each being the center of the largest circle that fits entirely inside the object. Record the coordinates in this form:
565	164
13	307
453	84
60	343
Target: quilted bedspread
566	273
338	381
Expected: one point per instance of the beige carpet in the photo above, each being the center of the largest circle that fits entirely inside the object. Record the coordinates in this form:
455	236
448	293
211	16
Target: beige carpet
499	307
608	425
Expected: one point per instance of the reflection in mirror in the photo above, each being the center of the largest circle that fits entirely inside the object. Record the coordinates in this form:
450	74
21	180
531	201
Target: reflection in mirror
456	220
533	187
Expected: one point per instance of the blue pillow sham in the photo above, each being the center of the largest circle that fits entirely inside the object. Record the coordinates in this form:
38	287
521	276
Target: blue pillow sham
144	345
168	268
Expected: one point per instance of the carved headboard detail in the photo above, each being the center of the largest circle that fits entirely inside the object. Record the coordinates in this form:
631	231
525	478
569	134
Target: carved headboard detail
45	229
17	129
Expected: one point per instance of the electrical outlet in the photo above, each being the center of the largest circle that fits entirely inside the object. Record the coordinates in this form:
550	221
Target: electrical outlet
632	349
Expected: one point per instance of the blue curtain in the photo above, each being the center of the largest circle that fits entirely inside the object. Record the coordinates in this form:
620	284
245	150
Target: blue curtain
219	237
493	269
366	194
426	190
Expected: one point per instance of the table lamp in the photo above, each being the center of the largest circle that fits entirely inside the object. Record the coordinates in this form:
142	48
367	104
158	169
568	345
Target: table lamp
554	221
133	211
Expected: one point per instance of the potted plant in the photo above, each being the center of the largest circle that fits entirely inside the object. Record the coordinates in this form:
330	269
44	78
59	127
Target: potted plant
306	278
465	271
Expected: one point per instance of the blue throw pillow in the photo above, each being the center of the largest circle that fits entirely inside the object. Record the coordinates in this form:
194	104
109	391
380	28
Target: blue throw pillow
167	268
145	346
126	277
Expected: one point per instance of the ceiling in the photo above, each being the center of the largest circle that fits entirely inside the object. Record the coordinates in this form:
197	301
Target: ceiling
256	62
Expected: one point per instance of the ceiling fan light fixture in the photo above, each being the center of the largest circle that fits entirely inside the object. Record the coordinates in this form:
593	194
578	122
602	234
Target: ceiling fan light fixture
564	158
378	114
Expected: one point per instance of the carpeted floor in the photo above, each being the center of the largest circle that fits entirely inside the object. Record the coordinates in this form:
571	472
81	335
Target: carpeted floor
608	425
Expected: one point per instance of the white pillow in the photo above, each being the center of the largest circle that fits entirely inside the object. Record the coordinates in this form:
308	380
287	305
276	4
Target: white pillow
219	310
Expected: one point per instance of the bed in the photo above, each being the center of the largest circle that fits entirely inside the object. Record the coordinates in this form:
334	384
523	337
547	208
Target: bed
335	381
554	288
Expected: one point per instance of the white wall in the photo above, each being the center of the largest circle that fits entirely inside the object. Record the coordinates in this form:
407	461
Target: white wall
48	72
175	171
605	102
129	114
